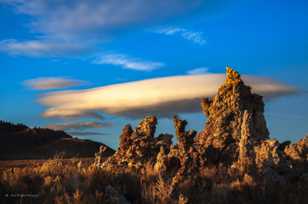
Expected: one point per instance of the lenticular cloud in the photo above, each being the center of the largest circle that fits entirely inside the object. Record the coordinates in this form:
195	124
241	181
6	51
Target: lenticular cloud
160	96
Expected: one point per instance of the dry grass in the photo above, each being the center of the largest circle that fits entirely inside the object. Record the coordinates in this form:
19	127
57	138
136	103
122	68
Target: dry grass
77	181
64	181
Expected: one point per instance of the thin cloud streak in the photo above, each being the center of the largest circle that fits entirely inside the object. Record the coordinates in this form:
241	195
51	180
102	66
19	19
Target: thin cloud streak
37	48
47	83
161	96
70	113
193	36
79	126
199	70
128	62
87	133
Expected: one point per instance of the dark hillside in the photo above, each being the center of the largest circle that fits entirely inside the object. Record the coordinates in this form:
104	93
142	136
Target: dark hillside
21	142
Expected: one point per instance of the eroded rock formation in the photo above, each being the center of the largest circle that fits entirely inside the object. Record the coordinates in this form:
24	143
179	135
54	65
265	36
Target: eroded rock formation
234	142
139	146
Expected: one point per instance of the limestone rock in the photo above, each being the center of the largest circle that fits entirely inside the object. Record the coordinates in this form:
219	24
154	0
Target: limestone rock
246	154
185	139
228	133
234	144
226	112
125	138
139	146
205	105
297	153
147	127
268	154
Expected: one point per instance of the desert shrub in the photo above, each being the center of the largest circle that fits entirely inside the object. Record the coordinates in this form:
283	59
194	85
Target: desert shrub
69	181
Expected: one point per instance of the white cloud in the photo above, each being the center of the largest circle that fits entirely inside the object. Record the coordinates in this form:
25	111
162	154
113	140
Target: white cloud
128	62
81	20
199	70
46	83
39	47
60	16
195	37
161	96
79	125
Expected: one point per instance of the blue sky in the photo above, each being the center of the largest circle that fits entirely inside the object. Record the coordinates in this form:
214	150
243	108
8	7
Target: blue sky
92	44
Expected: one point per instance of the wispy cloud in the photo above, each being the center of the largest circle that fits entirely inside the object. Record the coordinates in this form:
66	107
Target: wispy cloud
193	36
160	96
199	70
97	20
39	47
75	113
79	125
59	17
128	62
87	133
46	83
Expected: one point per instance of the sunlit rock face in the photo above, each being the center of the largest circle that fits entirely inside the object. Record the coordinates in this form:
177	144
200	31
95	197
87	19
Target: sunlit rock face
226	111
139	146
298	154
234	143
235	117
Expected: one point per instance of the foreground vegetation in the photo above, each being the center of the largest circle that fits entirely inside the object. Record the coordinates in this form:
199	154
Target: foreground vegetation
78	181
62	181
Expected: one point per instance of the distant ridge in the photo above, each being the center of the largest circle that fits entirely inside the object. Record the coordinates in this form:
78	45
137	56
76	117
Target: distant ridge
18	141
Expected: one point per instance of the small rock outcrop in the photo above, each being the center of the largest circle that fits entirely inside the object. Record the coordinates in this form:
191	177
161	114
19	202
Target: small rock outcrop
139	146
185	139
297	153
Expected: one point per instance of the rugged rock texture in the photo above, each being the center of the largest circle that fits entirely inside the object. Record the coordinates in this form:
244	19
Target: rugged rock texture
139	146
233	150
297	153
231	110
